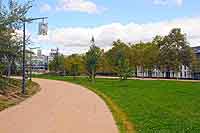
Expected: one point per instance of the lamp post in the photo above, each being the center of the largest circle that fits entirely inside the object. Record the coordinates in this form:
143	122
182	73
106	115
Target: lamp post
30	78
23	58
24	21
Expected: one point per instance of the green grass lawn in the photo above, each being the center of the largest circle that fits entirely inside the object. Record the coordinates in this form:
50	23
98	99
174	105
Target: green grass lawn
152	106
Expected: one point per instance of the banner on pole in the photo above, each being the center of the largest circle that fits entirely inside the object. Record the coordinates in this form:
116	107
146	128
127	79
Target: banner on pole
43	28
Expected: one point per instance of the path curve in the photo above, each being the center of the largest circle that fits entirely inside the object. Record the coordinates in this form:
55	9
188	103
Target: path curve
59	107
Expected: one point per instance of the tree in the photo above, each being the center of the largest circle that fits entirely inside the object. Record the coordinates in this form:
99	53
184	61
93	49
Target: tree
10	48
174	51
92	58
57	64
142	55
10	42
12	14
74	65
118	58
151	54
104	67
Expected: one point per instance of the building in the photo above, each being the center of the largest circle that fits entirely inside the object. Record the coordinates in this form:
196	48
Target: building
39	52
184	73
197	51
40	62
52	54
196	68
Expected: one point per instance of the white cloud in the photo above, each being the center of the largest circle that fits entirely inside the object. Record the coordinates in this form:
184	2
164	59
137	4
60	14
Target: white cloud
79	6
77	39
45	8
168	2
179	2
160	2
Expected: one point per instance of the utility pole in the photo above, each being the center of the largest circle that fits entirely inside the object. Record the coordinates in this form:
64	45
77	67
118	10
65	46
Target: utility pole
24	21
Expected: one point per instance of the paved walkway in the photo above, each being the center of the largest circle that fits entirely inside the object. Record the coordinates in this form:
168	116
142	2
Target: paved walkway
59	107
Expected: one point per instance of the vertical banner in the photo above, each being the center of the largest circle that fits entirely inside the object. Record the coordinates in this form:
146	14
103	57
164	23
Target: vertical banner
43	28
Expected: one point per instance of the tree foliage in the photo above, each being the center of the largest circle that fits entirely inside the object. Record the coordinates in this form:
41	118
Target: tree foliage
10	42
118	58
174	51
74	65
163	53
92	58
57	64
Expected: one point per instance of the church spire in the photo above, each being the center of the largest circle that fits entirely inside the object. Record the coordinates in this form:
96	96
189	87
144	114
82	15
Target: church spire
93	40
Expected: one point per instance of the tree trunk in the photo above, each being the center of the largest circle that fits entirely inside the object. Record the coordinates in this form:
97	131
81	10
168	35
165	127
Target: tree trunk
136	71
93	76
9	70
177	78
142	72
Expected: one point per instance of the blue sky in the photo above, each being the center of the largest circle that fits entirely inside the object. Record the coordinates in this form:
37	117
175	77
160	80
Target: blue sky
73	22
138	11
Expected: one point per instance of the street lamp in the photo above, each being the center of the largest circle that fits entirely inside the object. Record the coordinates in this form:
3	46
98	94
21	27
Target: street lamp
24	21
31	61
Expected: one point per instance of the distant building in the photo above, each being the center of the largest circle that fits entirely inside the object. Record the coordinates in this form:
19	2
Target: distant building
40	62
184	73
196	73
53	53
197	51
39	52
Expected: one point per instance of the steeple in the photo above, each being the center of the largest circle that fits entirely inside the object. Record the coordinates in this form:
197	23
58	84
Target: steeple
93	40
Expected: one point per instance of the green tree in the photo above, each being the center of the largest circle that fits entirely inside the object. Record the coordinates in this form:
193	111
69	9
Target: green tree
10	42
140	50
10	48
104	67
74	65
119	59
92	58
174	51
57	64
151	57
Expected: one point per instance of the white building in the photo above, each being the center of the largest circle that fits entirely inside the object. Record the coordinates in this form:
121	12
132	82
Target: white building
184	71
40	62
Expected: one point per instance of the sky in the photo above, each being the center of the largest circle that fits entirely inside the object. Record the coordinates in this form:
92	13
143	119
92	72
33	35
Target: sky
72	23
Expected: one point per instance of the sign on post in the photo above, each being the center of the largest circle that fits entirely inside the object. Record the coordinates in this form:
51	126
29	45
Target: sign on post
43	28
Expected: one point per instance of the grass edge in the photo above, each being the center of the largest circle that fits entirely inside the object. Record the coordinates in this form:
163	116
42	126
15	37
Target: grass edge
121	119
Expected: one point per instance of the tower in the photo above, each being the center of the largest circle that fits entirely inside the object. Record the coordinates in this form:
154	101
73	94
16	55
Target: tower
93	40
